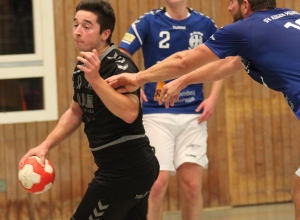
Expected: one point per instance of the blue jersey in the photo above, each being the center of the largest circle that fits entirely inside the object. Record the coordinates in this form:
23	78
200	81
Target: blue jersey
268	43
161	36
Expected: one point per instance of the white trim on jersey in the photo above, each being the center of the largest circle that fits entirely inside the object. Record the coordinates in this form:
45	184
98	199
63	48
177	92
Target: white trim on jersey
136	33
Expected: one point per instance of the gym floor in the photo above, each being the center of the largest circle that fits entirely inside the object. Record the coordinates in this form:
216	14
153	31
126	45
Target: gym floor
278	211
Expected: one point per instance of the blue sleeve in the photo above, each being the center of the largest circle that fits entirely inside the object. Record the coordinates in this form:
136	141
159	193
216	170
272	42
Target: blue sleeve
212	28
136	35
230	40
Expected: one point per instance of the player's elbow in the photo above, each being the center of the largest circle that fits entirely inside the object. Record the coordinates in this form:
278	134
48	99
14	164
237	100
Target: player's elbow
130	117
182	61
131	111
235	63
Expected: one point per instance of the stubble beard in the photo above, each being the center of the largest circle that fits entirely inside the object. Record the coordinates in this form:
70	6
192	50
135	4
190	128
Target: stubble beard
237	16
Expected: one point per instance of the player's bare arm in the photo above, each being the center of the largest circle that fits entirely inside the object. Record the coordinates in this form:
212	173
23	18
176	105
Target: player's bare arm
67	124
125	82
125	107
177	65
172	67
211	72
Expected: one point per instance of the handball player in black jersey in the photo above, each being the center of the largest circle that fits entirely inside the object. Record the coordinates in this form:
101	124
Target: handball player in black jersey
127	166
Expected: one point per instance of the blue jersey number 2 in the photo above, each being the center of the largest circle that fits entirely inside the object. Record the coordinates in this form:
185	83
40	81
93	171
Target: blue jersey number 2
164	42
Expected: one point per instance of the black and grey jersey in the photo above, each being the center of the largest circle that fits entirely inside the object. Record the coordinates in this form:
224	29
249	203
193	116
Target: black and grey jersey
101	126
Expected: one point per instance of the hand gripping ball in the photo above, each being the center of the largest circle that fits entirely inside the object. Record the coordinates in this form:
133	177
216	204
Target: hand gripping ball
34	178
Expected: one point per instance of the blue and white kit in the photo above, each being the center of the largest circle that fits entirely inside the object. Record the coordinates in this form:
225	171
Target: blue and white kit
267	56
160	36
181	139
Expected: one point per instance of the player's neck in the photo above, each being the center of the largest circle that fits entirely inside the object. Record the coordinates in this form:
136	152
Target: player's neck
102	49
177	13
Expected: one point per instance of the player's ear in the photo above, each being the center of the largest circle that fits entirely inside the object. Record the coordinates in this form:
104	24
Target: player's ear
105	34
247	7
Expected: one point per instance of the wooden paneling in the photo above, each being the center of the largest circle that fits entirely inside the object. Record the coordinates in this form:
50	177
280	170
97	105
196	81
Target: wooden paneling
252	144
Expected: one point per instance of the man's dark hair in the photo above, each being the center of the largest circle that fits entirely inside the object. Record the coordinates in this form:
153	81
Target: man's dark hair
104	12
257	5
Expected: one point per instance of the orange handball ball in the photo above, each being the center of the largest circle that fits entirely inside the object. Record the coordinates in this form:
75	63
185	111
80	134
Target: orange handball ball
34	178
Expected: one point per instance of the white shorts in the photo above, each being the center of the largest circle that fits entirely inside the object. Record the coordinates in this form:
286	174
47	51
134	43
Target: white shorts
298	172
177	138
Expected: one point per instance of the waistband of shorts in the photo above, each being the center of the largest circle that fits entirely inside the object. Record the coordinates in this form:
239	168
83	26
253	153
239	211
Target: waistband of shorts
118	141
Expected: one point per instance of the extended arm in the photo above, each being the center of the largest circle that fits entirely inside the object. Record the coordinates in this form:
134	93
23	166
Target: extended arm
172	67
68	123
177	65
211	72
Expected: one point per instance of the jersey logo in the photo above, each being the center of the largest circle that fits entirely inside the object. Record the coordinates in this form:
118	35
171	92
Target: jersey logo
263	82
289	102
179	27
196	39
113	58
123	67
128	38
77	71
246	64
98	211
141	195
86	101
119	59
79	82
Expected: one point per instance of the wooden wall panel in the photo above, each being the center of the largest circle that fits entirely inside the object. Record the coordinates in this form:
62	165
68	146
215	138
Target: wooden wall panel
252	144
3	164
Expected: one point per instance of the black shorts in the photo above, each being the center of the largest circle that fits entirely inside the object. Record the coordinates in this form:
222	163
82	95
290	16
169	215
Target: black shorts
118	196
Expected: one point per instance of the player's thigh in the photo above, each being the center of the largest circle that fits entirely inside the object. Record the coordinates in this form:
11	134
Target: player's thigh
191	142
160	130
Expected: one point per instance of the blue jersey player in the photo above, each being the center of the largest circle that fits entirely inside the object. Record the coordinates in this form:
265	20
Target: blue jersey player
264	40
181	143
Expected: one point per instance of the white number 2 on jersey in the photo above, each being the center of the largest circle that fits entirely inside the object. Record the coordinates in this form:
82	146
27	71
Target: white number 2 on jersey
166	37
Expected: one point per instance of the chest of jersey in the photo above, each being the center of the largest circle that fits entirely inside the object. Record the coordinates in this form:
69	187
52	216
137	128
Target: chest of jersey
168	37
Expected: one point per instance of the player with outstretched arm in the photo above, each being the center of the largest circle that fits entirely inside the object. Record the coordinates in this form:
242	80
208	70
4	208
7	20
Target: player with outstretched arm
264	40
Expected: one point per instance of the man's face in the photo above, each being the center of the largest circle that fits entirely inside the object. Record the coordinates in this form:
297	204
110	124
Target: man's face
86	31
236	10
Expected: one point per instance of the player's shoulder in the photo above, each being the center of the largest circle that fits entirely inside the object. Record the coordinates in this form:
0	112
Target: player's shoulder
201	16
237	29
119	59
152	14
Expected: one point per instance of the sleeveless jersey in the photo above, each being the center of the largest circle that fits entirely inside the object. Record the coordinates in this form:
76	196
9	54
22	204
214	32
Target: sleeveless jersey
161	36
268	43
